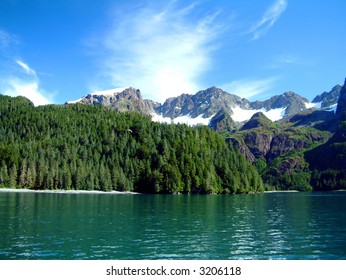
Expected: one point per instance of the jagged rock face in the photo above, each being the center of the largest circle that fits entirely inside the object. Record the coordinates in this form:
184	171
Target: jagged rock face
340	135
209	102
242	147
328	99
206	103
341	109
258	143
175	106
129	99
270	144
283	144
293	140
293	103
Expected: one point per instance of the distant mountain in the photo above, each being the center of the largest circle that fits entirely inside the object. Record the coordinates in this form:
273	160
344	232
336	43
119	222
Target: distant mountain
199	108
290	101
205	103
328	99
120	100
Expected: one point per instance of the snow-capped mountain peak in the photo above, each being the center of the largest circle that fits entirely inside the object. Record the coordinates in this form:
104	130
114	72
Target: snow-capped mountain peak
108	93
203	106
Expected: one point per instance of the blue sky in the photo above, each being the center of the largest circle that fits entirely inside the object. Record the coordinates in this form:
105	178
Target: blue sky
55	51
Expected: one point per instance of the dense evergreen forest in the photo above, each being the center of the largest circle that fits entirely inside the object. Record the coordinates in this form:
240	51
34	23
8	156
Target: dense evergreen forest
93	148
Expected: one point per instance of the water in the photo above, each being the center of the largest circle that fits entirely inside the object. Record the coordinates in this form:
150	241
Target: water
103	226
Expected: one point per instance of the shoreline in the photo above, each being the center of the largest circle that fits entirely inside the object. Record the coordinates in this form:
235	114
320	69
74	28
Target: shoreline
64	191
284	191
4	190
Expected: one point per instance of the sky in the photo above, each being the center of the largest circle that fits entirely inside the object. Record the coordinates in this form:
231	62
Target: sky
56	51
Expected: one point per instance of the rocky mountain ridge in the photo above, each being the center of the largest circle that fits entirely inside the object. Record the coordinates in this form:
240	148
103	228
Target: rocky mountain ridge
305	151
120	100
208	104
328	99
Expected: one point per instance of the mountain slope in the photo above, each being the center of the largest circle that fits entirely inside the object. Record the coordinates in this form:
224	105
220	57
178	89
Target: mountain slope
305	151
328	161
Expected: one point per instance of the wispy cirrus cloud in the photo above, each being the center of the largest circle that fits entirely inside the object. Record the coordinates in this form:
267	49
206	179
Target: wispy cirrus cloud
251	88
7	40
268	19
26	67
161	49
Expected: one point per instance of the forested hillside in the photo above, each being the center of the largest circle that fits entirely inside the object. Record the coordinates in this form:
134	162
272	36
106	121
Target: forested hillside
93	148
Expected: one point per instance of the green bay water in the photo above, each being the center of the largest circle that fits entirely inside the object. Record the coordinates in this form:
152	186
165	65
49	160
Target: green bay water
107	226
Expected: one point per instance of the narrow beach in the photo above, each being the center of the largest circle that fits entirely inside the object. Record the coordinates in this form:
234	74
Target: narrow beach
63	191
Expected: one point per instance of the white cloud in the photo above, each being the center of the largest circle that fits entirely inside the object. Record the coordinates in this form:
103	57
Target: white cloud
28	89
26	67
162	51
248	88
17	78
268	19
27	85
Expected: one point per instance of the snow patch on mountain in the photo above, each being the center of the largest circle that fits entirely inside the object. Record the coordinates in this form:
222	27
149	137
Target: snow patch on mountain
75	101
333	108
108	92
187	119
275	114
317	105
241	115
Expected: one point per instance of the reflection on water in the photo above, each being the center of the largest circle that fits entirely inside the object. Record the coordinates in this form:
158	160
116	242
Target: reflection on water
98	226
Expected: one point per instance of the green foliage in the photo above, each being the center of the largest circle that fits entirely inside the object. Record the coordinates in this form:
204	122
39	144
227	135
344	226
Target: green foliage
299	181
328	165
90	147
260	164
328	179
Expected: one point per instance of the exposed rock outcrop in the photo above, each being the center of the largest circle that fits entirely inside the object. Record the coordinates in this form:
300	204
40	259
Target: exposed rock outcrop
328	99
121	100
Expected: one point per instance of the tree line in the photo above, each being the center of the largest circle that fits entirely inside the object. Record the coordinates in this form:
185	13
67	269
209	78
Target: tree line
86	147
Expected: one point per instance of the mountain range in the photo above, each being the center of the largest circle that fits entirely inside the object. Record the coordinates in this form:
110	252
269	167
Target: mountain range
206	106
